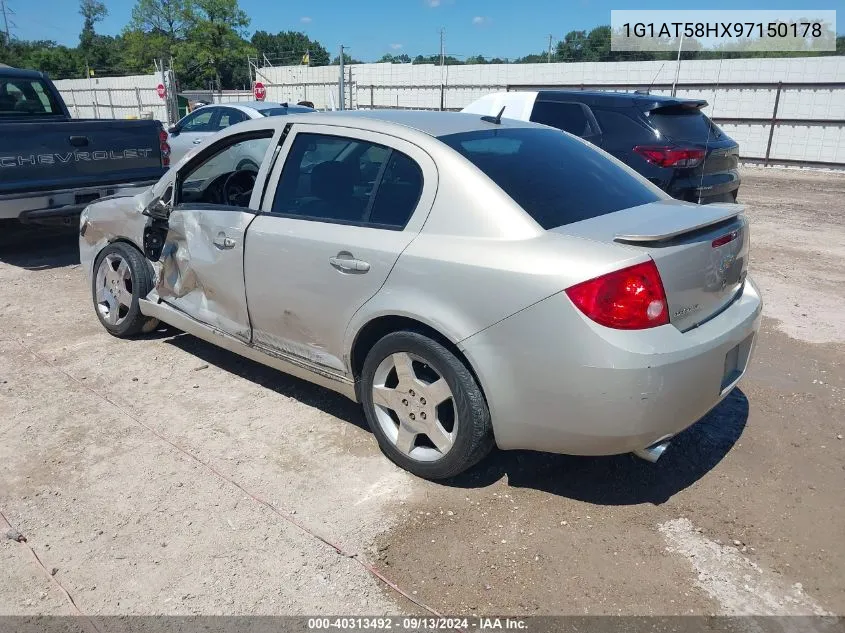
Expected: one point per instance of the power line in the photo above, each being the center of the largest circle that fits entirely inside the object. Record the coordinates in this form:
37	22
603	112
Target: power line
6	10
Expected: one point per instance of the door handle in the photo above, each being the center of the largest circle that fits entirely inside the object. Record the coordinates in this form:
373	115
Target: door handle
197	141
78	141
223	242
345	262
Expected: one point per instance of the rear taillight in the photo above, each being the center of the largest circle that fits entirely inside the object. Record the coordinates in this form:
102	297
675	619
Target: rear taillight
165	148
629	299
671	156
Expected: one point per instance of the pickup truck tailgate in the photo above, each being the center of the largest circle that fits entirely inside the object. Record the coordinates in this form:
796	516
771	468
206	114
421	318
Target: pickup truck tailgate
50	155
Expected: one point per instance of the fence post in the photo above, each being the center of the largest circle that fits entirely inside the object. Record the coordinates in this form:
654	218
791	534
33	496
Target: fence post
138	99
75	107
372	103
773	123
111	103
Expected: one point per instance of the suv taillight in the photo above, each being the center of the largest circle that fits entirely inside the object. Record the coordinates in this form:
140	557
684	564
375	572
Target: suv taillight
165	148
629	299
671	156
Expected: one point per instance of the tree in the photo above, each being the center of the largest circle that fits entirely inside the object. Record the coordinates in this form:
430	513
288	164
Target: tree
172	18
288	47
347	59
387	58
215	50
92	11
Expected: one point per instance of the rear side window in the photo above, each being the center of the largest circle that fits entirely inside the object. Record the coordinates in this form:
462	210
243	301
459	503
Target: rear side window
26	97
617	125
569	117
230	116
558	180
684	124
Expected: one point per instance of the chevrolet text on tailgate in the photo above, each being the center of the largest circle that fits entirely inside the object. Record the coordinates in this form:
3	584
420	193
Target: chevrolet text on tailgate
51	165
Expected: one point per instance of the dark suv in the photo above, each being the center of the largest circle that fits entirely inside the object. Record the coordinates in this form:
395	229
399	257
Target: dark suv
667	139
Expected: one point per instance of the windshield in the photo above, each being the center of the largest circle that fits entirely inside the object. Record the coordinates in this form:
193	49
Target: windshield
26	97
556	178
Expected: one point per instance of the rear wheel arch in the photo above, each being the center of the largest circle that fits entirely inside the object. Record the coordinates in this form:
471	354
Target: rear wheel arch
376	329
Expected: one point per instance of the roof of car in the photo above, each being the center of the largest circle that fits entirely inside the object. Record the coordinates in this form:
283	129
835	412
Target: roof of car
432	123
8	71
617	99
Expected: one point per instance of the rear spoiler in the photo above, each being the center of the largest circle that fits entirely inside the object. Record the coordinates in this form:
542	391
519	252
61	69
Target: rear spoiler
681	223
684	104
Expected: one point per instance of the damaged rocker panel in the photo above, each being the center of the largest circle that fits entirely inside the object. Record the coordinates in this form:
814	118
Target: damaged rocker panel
271	358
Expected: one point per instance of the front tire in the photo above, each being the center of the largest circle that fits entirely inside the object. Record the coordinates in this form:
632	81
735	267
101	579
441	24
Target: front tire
424	406
121	277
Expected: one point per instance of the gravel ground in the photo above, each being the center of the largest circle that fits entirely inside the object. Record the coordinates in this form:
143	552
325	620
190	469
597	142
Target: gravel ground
165	476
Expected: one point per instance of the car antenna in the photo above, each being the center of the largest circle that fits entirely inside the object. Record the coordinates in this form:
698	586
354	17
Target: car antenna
656	75
495	119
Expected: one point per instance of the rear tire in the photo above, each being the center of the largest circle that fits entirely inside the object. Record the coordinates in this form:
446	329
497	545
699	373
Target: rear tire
121	277
424	406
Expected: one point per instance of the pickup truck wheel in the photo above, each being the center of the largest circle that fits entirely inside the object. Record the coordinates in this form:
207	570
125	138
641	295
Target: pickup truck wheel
121	277
424	406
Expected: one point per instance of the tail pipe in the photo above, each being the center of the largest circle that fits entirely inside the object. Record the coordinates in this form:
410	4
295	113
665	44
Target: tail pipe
652	453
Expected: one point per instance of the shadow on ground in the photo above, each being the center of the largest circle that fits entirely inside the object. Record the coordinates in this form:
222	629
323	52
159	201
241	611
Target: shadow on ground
616	480
38	247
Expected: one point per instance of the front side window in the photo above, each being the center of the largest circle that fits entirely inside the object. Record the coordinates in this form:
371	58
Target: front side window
555	178
345	180
226	176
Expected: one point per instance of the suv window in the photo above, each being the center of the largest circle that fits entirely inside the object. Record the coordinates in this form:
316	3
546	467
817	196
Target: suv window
339	179
555	178
206	182
684	124
199	121
618	126
569	117
26	96
229	116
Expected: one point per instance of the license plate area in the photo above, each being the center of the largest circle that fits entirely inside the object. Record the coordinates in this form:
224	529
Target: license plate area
736	362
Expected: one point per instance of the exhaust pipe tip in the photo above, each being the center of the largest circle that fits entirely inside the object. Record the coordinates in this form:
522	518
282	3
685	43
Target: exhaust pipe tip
654	452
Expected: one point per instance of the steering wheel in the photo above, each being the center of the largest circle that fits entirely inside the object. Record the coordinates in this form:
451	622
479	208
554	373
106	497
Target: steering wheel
238	188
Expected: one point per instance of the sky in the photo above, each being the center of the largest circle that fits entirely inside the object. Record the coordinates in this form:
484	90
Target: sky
371	28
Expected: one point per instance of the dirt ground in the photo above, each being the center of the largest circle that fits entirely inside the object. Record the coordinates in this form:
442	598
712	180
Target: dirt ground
165	476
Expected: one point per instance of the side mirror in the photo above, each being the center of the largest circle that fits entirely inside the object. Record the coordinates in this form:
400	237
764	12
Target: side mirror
173	131
158	209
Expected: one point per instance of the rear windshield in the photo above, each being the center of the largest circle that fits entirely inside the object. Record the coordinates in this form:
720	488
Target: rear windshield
557	179
683	124
26	97
282	111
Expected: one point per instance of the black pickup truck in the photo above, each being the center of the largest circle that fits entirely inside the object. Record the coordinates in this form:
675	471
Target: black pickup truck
52	166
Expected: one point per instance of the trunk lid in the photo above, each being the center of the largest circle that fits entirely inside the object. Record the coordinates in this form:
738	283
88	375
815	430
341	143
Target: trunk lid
53	155
701	252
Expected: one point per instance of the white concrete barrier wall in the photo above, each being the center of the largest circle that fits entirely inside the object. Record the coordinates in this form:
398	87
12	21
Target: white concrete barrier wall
418	86
113	97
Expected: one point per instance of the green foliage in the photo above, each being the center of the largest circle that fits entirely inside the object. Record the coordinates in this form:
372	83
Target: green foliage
347	59
286	48
404	58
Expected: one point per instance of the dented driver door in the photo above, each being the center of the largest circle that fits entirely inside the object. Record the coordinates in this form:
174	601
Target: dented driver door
201	265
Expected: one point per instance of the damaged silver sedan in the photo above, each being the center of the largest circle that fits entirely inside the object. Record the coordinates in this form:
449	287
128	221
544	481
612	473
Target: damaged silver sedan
469	280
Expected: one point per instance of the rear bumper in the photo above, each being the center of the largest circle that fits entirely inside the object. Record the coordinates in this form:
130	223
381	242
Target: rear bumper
557	382
720	187
39	206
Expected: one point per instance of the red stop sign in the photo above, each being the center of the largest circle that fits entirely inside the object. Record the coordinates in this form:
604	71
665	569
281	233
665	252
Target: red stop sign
161	91
259	91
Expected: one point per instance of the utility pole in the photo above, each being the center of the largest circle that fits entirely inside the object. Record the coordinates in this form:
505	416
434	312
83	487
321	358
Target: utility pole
442	67
5	22
550	48
340	88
